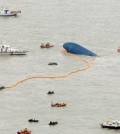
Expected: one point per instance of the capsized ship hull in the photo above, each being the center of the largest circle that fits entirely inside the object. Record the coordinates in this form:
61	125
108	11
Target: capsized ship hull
77	49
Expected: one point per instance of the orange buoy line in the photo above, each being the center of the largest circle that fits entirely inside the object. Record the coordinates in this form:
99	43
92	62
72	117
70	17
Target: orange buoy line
60	76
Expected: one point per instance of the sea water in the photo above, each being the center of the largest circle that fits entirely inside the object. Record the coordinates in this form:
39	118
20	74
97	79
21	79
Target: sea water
92	95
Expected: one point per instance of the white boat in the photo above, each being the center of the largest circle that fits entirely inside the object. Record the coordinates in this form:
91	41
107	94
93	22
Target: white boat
6	12
113	124
5	49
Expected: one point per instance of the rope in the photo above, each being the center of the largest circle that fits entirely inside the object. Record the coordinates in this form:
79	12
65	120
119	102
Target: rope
60	76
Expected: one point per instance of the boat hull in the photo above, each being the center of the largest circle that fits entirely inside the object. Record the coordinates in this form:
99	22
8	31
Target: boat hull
77	49
118	49
58	105
13	53
110	127
7	15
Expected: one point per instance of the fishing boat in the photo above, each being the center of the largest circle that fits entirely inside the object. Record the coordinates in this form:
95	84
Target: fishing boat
53	123
118	49
24	131
5	49
58	104
113	124
7	12
33	120
52	63
46	45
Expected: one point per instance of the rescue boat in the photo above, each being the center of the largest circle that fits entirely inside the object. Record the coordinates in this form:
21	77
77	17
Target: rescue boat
118	49
47	45
112	124
58	104
7	12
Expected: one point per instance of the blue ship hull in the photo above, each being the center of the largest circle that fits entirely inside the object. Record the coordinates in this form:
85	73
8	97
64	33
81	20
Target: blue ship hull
77	49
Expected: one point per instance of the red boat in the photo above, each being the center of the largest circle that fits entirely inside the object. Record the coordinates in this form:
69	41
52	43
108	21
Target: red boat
58	104
118	49
24	131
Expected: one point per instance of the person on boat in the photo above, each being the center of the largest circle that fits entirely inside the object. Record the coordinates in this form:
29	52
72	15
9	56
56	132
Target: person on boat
48	92
50	123
47	44
26	131
6	49
1	49
20	132
42	44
